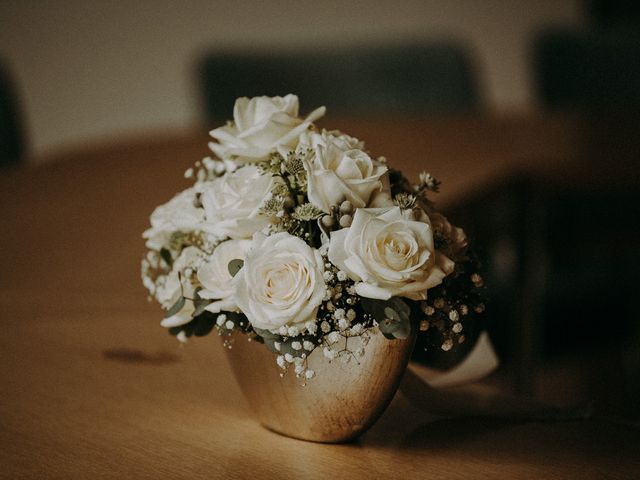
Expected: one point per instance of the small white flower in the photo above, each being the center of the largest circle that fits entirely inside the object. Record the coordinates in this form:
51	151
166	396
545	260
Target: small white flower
312	327
282	330
221	319
308	345
343	324
281	361
296	345
447	345
229	325
342	276
293	331
325	327
298	369
333	337
351	314
328	353
454	316
357	329
339	313
457	327
309	374
288	357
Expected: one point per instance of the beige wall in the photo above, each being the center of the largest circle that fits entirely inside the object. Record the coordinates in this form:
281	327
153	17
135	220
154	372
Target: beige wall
96	70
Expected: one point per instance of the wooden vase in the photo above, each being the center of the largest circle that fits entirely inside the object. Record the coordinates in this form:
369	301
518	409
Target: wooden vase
340	403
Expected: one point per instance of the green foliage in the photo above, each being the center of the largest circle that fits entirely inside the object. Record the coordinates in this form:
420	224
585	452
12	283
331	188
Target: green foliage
307	212
175	308
285	344
273	206
405	200
393	316
234	266
199	306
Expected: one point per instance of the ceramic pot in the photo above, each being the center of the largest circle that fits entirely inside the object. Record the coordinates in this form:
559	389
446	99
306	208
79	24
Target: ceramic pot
341	402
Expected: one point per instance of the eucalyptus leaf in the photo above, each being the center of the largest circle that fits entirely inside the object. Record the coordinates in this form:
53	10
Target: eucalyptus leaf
285	347
268	338
175	308
200	305
393	316
234	266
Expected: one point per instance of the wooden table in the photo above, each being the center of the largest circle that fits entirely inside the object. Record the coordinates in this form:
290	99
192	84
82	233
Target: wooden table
93	387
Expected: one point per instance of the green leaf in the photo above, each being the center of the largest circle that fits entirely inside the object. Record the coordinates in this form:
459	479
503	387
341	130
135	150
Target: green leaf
175	308
393	316
234	266
200	305
268	338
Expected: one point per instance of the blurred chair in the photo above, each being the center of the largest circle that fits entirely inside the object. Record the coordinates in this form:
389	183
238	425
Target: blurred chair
11	134
556	286
597	70
434	77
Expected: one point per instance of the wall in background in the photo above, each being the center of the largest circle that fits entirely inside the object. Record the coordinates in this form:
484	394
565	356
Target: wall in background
96	70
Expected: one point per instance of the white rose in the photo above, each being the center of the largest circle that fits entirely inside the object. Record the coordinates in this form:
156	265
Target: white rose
338	172
343	141
178	214
215	277
232	203
260	125
176	284
281	282
389	254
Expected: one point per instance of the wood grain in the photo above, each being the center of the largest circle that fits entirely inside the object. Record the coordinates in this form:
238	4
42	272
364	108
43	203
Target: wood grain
92	387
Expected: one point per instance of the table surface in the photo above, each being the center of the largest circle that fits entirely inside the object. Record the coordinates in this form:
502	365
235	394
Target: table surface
93	387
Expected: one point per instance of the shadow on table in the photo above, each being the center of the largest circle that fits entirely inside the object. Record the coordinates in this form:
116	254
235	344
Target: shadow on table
423	417
487	439
134	355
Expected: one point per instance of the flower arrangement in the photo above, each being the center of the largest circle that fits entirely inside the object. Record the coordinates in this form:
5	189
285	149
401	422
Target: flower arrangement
299	239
